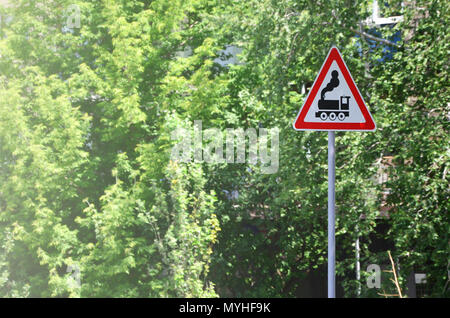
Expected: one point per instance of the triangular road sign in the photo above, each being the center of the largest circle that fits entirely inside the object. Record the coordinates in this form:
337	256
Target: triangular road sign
334	102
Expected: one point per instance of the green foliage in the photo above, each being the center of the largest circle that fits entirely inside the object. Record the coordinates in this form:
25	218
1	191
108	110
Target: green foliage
86	116
86	179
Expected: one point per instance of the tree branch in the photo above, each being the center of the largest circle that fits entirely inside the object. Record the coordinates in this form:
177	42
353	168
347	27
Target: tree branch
374	38
395	280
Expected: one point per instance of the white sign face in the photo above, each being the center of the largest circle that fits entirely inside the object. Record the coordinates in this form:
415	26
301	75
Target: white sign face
334	102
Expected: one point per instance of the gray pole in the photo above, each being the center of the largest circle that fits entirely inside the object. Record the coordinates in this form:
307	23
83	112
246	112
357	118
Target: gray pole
331	217
358	265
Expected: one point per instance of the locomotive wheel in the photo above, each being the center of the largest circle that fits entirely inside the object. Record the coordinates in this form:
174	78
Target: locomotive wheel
323	116
332	116
341	116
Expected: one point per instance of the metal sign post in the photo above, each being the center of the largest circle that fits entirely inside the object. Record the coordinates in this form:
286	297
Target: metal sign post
331	217
333	103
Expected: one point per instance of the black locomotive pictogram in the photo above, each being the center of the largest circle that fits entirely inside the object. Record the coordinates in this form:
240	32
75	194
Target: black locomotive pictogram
333	108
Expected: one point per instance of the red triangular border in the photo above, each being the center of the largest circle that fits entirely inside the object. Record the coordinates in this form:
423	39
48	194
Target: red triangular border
300	124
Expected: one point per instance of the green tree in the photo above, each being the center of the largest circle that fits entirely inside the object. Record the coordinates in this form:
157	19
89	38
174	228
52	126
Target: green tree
87	115
86	177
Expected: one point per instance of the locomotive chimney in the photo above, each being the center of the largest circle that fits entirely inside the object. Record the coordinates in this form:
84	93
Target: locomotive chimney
334	82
